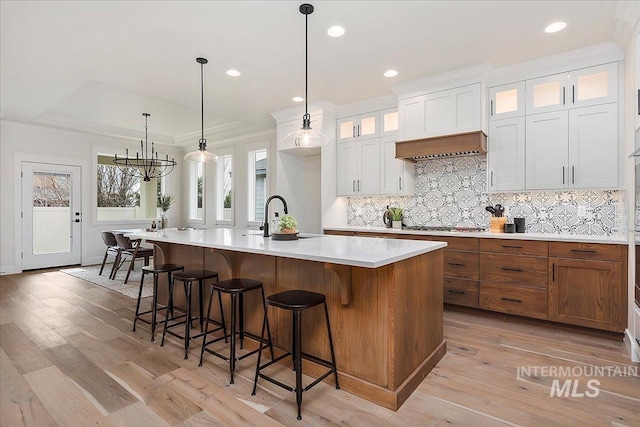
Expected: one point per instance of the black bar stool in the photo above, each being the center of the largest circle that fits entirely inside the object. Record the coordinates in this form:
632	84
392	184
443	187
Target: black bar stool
297	301
156	270
236	289
188	277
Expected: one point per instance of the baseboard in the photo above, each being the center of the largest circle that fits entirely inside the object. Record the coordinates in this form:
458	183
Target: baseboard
632	346
94	260
7	269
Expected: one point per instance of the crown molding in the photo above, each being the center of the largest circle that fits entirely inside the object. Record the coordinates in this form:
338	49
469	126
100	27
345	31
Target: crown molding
589	56
461	77
627	15
66	123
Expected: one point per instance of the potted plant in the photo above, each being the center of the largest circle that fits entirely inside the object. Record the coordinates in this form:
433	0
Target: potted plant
396	217
288	224
164	203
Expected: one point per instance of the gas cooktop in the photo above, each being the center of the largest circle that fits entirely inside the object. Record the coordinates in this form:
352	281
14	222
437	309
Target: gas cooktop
445	228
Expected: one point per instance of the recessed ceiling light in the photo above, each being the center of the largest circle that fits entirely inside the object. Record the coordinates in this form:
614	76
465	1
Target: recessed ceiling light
390	73
233	73
298	99
555	27
336	31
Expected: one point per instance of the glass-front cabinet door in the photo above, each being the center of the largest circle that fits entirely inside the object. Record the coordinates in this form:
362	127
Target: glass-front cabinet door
594	85
507	101
389	122
547	93
358	127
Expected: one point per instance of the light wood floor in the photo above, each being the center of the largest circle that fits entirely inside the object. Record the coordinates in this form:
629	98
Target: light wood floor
68	358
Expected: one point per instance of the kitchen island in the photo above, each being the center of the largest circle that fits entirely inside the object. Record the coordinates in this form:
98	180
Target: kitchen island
384	296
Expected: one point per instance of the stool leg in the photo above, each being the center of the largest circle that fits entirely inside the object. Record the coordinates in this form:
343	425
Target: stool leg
264	302
206	326
154	303
293	337
333	357
264	322
241	318
232	355
297	344
166	316
224	325
187	323
201	292
106	253
135	319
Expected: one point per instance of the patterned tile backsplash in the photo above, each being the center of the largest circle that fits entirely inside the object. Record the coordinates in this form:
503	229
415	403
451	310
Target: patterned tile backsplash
451	192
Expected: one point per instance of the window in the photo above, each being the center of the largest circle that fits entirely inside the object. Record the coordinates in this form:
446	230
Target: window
224	187
121	196
257	184
196	192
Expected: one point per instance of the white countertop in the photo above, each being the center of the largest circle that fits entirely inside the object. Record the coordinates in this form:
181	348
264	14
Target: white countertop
578	238
347	250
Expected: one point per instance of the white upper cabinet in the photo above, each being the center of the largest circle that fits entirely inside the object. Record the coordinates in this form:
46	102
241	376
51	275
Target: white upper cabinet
577	88
358	168
359	127
506	154
507	101
573	149
389	122
396	176
440	113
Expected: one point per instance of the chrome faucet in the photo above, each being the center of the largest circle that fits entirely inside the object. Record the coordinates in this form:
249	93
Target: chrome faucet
265	226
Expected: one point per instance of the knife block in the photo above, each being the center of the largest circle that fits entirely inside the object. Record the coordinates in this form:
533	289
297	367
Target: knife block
497	224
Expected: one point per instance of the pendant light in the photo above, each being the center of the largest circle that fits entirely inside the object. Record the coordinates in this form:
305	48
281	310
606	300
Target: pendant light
306	137
201	154
144	165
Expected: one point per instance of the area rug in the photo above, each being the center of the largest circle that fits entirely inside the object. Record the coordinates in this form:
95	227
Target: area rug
90	274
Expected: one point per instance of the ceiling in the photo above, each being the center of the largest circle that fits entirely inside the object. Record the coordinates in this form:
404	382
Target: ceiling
98	65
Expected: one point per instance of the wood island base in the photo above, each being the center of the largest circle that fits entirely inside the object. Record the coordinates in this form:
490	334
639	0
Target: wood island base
386	322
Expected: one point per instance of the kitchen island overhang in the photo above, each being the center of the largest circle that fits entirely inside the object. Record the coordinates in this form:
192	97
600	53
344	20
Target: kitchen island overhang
384	296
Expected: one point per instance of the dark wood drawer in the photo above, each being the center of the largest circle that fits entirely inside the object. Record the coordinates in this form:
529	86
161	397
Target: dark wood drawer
516	247
461	292
514	269
468	244
587	251
339	233
463	265
523	301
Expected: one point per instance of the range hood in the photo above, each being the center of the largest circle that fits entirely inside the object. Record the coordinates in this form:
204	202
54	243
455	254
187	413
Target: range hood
460	144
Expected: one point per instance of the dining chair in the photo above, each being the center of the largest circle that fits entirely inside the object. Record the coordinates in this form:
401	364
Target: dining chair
132	250
109	240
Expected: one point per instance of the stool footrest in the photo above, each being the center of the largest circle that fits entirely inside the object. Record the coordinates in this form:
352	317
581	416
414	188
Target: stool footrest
191	337
276	382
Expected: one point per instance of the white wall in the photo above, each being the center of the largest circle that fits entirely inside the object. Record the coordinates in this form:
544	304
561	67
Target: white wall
39	143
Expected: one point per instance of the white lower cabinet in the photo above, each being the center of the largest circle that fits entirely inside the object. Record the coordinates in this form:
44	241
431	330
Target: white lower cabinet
358	168
506	154
573	149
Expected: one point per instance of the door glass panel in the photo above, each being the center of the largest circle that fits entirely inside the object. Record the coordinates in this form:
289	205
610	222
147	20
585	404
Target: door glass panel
346	129
592	86
545	94
507	101
390	121
51	212
368	126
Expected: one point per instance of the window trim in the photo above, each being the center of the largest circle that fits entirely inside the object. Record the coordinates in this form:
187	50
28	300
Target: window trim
193	203
251	149
219	201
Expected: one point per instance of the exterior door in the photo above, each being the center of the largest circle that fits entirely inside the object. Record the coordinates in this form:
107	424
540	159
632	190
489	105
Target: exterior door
51	216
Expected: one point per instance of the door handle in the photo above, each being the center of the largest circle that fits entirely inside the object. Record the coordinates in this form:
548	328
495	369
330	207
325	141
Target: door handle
354	185
354	131
563	99
358	185
511	300
455	291
573	174
76	220
573	94
491	179
491	108
563	175
400	183
358	130
511	269
457	264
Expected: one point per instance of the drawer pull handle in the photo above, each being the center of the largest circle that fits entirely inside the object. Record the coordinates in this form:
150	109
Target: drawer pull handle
584	251
511	300
512	246
457	264
511	269
455	291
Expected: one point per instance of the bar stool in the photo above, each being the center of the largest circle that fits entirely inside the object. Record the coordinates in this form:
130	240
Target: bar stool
236	289
156	270
188	277
297	301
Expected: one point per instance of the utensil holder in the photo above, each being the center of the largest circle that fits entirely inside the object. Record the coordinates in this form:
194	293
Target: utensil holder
497	224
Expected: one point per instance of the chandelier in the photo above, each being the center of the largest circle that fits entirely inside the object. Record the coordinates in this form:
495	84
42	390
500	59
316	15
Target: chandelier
145	166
